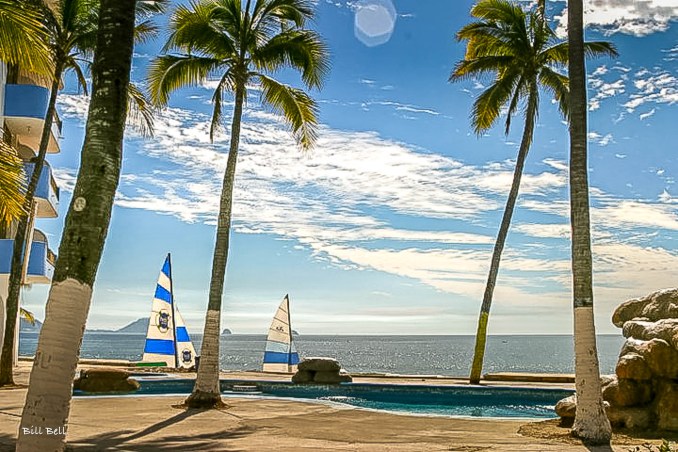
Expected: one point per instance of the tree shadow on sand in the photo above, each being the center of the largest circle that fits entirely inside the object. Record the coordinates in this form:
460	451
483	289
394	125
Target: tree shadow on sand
122	440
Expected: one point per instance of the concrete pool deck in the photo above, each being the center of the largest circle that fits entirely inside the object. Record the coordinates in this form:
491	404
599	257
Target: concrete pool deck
154	423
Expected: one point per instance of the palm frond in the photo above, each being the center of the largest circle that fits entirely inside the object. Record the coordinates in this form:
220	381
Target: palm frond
12	184
488	105
518	93
300	49
24	37
167	73
151	7
466	69
140	114
226	83
295	11
297	107
200	28
27	315
145	31
559	87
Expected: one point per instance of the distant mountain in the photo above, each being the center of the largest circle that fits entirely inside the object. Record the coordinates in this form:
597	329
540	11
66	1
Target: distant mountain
26	327
139	326
226	331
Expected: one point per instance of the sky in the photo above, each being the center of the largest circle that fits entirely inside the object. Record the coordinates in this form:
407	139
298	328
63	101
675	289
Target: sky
387	225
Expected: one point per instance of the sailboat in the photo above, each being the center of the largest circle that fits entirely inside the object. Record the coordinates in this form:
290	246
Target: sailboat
281	354
167	339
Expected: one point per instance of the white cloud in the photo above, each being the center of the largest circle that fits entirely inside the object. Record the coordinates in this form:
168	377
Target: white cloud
634	17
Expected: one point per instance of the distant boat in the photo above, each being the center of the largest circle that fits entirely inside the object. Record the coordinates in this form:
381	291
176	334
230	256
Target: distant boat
281	354
167	340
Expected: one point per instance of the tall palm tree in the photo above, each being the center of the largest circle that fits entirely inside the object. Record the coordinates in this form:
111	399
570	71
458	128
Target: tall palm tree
522	53
72	30
51	381
72	36
591	423
240	44
23	41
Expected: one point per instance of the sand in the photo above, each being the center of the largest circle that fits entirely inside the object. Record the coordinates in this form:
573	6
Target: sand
157	423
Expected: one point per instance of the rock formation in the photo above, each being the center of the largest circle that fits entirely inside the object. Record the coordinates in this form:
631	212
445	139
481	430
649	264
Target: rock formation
643	393
320	370
102	380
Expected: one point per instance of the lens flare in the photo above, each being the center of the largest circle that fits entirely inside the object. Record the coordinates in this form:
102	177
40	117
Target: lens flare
374	21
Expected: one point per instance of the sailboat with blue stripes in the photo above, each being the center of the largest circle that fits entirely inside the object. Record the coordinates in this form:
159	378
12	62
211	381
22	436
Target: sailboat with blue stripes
167	339
281	354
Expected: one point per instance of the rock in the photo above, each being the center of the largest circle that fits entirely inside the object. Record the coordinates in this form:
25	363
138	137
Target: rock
319	364
633	367
628	310
667	407
627	393
639	418
661	358
103	380
320	370
662	304
664	329
303	376
327	377
567	407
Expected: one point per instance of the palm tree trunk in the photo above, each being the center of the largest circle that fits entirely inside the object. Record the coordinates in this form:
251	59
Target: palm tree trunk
591	423
481	333
206	393
51	383
22	234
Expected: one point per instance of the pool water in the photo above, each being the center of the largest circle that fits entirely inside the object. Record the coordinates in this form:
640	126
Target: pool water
507	402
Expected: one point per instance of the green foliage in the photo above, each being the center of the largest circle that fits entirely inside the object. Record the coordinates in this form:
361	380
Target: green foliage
239	45
12	184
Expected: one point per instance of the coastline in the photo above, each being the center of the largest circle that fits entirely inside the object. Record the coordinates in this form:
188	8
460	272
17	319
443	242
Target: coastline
157	423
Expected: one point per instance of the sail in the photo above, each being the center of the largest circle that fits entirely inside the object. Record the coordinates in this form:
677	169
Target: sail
185	350
167	339
280	354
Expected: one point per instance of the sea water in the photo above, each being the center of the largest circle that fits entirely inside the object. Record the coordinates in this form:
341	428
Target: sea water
423	355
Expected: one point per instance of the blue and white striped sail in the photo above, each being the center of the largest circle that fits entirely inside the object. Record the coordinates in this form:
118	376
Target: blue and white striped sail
281	354
167	339
185	349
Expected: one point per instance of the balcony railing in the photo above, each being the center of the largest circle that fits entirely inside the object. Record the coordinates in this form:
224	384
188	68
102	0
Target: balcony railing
47	191
24	113
40	263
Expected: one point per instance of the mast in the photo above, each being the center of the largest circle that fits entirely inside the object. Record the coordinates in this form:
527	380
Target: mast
174	318
289	327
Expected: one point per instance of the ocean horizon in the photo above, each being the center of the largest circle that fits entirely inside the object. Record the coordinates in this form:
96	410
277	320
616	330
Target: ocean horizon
449	355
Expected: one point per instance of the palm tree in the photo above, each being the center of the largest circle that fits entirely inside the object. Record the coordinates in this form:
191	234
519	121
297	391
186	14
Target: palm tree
240	45
72	36
521	51
72	30
51	381
591	423
23	41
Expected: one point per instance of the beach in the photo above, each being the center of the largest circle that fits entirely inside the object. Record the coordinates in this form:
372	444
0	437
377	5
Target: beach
157	423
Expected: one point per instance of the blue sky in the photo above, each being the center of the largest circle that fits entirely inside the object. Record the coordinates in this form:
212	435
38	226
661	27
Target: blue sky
387	226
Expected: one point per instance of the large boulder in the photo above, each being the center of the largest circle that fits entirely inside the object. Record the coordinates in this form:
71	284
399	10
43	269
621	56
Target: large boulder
626	393
633	367
662	304
662	359
104	380
667	407
320	364
321	371
644	394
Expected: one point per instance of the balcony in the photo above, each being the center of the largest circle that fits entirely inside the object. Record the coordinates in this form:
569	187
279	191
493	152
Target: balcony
24	114
46	193
40	263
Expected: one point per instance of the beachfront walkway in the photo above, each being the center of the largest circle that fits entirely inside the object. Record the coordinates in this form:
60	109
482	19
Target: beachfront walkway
153	424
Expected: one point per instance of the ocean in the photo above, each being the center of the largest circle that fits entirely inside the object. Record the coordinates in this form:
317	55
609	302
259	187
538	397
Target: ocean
422	355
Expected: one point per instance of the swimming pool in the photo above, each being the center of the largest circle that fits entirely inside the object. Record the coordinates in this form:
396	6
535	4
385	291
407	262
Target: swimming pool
511	402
